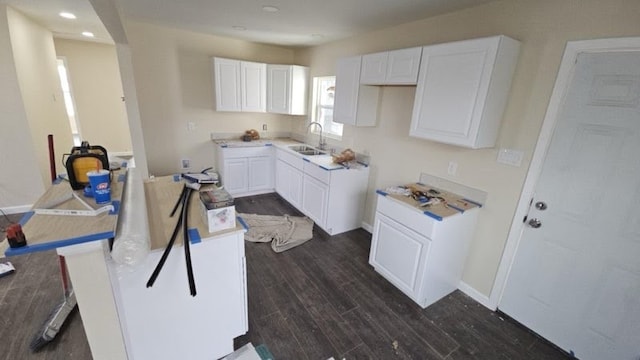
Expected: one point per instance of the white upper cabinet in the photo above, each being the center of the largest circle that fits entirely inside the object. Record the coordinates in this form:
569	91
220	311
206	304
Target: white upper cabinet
354	104
287	89
462	91
240	85
397	67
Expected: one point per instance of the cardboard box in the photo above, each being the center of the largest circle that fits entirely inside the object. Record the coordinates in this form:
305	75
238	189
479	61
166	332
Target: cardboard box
218	211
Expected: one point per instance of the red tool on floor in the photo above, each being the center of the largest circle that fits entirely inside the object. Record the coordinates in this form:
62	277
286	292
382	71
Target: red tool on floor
15	236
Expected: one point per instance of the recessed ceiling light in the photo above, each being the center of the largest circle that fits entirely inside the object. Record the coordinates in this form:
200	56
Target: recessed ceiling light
87	34
239	28
67	15
270	8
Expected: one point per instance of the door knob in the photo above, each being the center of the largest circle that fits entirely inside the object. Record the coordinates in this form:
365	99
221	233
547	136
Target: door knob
535	223
540	205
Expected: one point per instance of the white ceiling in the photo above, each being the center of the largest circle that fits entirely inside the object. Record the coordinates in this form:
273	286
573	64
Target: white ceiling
297	23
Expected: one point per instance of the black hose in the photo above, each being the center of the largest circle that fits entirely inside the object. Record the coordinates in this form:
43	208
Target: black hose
187	249
180	200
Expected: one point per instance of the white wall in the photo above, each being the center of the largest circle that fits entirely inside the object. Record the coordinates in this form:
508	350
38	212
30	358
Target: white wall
174	87
20	180
543	27
97	89
36	69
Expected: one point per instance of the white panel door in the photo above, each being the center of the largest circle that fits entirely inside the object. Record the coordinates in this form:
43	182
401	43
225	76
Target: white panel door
278	89
374	68
253	77
403	66
315	195
575	278
236	176
260	173
227	84
347	89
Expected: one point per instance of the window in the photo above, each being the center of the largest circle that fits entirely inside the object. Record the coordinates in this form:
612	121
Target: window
68	101
322	107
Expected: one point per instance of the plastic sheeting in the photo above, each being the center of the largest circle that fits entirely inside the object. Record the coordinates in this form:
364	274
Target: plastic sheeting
132	243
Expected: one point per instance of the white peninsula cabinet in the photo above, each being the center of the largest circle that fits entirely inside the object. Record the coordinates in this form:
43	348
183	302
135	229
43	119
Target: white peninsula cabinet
240	85
422	254
246	170
354	104
462	91
396	67
287	89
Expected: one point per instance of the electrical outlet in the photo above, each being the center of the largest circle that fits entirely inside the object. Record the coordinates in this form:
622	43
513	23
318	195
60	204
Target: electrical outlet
511	157
185	164
264	127
453	168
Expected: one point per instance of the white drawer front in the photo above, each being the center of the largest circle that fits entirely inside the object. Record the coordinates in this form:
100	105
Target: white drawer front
291	159
317	172
406	216
244	152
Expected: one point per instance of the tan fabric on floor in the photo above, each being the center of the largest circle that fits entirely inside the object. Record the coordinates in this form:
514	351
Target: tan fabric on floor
284	232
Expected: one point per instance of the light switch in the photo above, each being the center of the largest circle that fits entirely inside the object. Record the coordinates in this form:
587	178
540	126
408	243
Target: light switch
510	157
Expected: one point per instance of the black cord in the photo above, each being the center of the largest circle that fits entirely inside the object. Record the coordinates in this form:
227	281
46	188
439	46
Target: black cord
180	199
187	249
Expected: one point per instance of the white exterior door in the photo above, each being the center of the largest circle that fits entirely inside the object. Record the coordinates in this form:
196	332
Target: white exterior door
575	278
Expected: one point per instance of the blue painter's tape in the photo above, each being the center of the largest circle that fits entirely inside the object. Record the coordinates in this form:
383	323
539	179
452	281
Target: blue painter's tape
176	177
244	224
305	159
456	208
419	183
194	236
224	145
324	168
116	207
26	217
124	164
59	243
269	144
473	202
432	215
122	177
58	180
381	192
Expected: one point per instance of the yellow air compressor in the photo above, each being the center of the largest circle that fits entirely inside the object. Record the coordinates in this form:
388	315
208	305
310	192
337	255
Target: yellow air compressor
81	160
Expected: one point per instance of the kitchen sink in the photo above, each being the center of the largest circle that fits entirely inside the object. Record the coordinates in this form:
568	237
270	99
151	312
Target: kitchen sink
306	150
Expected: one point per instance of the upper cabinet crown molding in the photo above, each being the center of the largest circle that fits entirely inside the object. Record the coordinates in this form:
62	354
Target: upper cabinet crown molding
240	85
287	89
396	67
463	89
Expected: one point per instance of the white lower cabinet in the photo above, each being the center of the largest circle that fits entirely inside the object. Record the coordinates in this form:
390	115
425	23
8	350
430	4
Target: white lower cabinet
423	257
247	170
332	198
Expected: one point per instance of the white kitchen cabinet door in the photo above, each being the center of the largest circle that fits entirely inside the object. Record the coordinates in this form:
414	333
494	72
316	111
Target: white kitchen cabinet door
403	66
399	254
235	176
374	68
227	84
315	195
287	89
253	77
260	173
462	91
354	104
289	183
397	67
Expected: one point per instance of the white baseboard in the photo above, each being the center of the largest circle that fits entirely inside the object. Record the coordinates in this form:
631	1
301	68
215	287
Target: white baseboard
16	209
367	227
476	295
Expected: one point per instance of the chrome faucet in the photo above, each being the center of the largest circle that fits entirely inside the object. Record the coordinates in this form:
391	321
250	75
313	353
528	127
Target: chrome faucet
321	143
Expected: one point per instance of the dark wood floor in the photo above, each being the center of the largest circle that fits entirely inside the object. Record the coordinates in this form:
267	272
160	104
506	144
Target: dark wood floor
27	298
315	301
323	299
